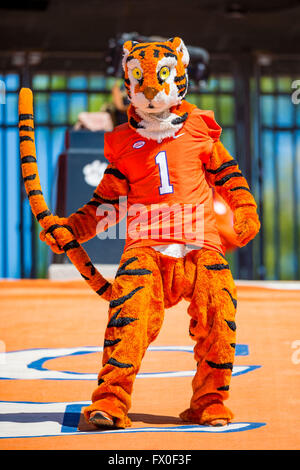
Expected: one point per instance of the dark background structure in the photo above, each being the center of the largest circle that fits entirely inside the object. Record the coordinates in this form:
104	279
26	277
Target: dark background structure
220	25
253	44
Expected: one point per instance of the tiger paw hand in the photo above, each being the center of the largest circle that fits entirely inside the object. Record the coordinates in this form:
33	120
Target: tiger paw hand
246	224
49	238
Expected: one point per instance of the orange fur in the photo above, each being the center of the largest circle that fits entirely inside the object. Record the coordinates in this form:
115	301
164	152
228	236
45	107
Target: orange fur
155	282
147	281
62	233
223	173
85	220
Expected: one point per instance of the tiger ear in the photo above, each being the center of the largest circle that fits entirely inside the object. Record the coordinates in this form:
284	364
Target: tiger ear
178	44
127	47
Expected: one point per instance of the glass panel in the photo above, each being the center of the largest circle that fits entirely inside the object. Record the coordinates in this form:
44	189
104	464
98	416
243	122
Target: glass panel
40	82
226	110
78	103
97	100
58	107
267	85
226	83
267	104
27	217
42	136
110	81
58	139
285	170
208	102
193	98
297	190
228	140
58	82
296	108
77	82
12	184
284	84
11	108
268	203
12	82
284	113
41	106
97	82
2	94
3	207
212	84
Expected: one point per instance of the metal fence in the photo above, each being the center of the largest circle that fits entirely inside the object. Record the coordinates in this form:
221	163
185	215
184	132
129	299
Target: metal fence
252	103
276	163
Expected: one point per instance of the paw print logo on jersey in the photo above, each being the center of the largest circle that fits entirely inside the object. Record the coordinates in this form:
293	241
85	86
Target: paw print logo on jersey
93	172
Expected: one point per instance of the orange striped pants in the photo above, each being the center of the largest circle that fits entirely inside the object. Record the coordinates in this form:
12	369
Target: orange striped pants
146	283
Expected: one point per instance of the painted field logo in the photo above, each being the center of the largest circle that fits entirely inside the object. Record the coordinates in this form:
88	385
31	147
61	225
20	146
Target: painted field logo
32	364
25	419
139	144
29	419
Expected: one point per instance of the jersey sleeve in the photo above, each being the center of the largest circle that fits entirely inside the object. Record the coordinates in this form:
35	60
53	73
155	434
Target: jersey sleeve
204	128
109	152
212	127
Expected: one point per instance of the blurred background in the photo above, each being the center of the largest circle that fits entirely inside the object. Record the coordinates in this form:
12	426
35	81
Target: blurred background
245	65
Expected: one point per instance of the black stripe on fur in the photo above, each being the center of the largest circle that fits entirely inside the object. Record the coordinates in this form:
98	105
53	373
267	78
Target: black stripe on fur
110	342
29	177
234	301
180	119
93	269
224	365
43	214
24	138
135	123
224	388
217	267
26	128
116	363
231	324
28	159
115	172
124	298
222	167
236	174
71	245
165	47
180	78
136	48
119	322
240	187
35	192
25	117
170	54
103	288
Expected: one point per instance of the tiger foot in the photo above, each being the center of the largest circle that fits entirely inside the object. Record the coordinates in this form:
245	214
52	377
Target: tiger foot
209	414
101	419
217	422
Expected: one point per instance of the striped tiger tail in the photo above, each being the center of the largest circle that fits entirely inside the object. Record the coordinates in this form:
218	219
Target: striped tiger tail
62	233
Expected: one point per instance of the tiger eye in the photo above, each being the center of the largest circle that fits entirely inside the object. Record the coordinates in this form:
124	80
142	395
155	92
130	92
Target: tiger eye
137	73
164	73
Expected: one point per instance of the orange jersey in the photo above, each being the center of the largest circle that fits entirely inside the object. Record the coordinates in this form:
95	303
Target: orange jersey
169	199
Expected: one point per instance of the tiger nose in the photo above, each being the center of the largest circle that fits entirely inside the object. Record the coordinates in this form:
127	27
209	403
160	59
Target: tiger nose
150	92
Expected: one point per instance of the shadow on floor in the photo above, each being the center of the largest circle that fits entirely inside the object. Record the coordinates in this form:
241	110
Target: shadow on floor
83	426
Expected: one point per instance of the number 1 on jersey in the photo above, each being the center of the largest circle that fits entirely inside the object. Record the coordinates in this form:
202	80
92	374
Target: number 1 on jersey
161	161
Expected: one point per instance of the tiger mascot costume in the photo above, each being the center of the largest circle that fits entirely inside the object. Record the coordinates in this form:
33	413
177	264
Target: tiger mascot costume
168	154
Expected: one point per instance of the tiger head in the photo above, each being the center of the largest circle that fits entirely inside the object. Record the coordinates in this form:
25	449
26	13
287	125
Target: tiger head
155	74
